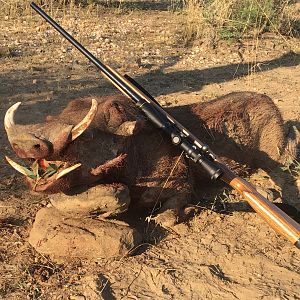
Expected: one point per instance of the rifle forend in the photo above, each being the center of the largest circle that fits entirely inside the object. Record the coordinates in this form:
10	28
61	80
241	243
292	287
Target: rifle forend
189	143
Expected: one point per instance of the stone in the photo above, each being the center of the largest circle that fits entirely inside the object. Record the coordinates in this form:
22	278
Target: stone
63	237
105	200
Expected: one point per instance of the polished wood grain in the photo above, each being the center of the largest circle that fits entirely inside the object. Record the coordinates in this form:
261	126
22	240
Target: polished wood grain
275	217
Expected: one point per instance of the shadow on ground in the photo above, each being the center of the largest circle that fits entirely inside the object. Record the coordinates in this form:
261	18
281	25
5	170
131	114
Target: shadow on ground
165	5
59	87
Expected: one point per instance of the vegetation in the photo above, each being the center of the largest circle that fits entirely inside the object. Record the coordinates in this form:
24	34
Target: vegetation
210	19
293	167
233	19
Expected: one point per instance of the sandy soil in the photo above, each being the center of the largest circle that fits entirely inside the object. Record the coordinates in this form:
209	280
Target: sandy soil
225	252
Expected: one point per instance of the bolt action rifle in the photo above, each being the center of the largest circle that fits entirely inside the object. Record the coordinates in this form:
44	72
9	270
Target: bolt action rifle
189	143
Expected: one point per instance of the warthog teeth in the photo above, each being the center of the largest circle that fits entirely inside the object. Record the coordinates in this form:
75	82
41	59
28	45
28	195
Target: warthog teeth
16	166
66	171
21	169
85	123
9	116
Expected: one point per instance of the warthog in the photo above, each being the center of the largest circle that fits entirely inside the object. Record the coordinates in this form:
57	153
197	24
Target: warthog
107	141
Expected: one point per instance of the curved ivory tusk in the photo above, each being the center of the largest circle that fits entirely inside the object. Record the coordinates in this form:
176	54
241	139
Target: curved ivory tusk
66	171
9	116
16	166
20	168
85	123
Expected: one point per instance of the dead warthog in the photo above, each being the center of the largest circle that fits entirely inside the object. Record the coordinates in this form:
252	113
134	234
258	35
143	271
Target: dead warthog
107	141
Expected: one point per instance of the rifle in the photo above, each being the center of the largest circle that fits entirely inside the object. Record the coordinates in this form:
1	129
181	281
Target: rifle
189	143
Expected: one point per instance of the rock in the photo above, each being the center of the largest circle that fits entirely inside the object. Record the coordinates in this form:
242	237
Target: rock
4	52
77	297
181	229
66	237
267	193
107	200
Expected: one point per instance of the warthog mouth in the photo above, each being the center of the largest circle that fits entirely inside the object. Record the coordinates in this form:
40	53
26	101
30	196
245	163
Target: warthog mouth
43	174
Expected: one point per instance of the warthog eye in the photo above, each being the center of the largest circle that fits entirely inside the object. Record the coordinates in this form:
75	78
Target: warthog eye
37	146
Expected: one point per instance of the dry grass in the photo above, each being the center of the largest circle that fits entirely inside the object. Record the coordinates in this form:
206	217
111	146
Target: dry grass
14	9
18	8
233	19
292	167
209	19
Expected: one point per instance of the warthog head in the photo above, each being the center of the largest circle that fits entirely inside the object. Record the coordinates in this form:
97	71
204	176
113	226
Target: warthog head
78	146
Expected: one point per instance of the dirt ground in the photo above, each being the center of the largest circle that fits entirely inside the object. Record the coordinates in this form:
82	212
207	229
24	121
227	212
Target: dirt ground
222	253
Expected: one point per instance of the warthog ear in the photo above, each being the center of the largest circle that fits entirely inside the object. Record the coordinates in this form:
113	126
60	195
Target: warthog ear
129	128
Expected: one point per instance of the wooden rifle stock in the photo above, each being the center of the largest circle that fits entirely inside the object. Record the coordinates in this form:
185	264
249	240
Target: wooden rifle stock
275	217
193	147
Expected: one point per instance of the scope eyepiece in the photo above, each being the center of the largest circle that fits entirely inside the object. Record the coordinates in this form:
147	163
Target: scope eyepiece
211	167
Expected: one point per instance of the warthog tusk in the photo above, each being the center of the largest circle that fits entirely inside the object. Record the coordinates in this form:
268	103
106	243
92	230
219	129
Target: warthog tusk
66	171
16	166
9	116
85	123
21	169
